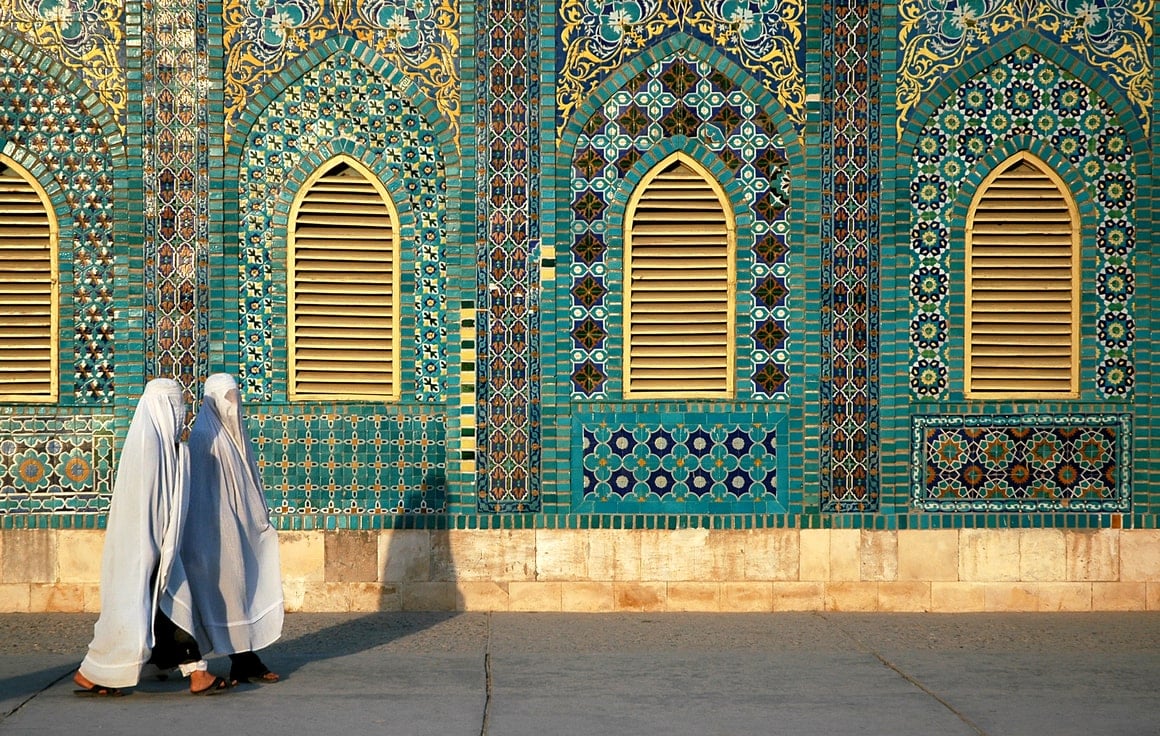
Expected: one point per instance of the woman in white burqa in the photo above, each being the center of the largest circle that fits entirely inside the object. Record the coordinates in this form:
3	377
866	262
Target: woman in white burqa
230	549
141	571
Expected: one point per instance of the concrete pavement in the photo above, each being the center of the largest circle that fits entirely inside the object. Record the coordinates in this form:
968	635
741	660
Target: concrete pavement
515	674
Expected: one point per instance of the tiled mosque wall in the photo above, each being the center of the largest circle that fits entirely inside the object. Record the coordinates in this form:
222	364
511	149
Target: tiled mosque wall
848	138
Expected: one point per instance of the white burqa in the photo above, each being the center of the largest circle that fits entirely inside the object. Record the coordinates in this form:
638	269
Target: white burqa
142	537
230	549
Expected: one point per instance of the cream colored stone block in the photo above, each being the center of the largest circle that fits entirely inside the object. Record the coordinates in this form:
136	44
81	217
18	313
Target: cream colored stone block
747	597
352	556
904	596
525	596
92	597
671	555
722	557
1010	596
586	597
78	555
928	554
693	596
56	598
630	596
1042	555
14	598
814	554
878	555
1130	596
851	596
988	555
1092	554
29	556
485	554
405	556
1065	596
614	554
293	595
479	595
798	596
955	597
1140	555
771	554
561	554
371	597
436	596
845	554
326	597
1152	596
303	556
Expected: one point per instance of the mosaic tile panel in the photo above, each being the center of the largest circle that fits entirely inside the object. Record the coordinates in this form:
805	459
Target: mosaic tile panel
851	236
175	168
86	36
699	463
765	38
263	37
1019	102
54	132
508	235
54	465
678	96
935	37
341	105
324	462
1076	462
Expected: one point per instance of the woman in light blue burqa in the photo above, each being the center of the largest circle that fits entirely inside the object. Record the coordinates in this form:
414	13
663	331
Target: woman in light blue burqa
229	549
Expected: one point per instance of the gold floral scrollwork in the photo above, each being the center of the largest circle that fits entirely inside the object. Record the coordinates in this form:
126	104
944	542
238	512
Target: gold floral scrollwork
419	37
936	36
765	36
86	36
262	37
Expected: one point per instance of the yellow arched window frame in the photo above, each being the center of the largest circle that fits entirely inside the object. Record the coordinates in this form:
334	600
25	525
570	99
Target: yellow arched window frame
29	288
680	285
1022	285
344	282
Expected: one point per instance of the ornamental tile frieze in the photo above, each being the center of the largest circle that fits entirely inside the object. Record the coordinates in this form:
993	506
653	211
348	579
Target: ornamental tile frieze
1114	37
86	36
766	37
262	37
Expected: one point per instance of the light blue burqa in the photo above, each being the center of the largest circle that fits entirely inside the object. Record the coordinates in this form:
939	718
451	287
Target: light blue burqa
140	561
229	549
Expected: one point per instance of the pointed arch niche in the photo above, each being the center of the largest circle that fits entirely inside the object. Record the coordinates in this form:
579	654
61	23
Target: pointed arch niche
343	270
1022	284
680	284
29	298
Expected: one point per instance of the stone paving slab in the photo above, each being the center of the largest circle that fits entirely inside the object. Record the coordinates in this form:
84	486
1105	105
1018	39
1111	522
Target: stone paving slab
509	674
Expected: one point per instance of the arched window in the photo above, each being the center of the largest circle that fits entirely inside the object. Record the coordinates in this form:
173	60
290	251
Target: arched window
344	286
1022	284
29	301
679	285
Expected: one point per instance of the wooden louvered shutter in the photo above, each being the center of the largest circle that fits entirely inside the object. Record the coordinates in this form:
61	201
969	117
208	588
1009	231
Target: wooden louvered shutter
344	287
1022	285
679	285
28	293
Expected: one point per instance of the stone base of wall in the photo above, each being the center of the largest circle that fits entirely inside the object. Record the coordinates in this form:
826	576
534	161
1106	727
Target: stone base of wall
646	570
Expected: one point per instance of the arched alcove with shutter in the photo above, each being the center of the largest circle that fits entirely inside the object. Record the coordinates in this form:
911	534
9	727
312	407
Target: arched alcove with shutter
29	298
343	251
1022	284
680	244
